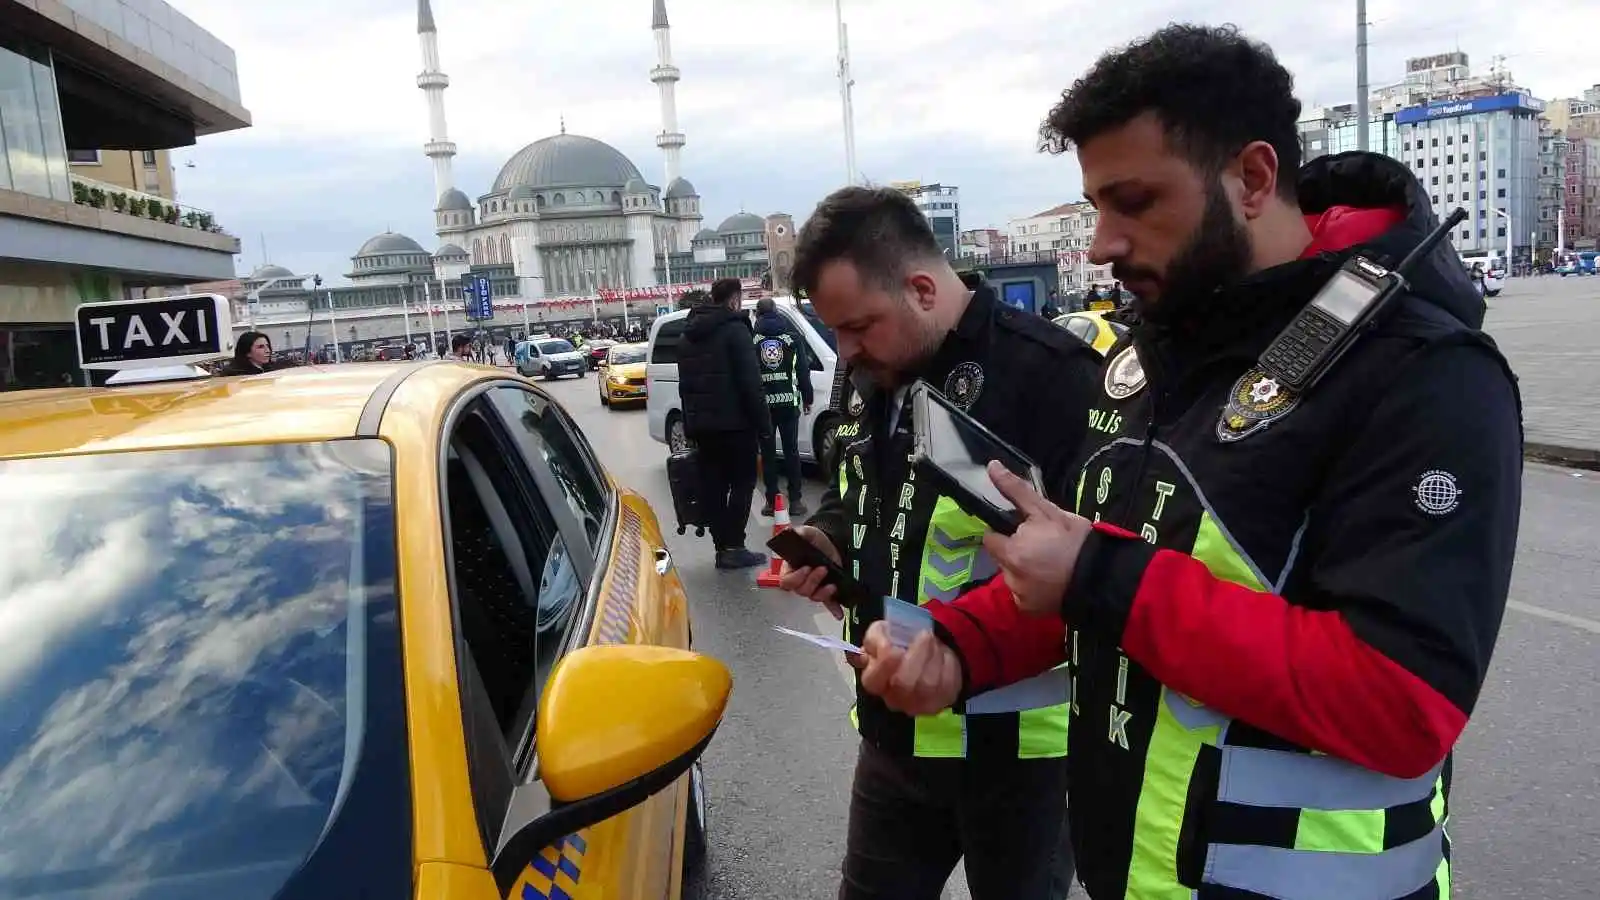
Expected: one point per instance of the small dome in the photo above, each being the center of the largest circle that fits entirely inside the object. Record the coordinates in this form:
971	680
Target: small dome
448	251
742	223
636	185
453	200
269	272
520	192
706	234
680	187
387	243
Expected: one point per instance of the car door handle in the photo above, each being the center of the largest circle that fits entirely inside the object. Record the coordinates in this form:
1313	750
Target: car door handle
663	560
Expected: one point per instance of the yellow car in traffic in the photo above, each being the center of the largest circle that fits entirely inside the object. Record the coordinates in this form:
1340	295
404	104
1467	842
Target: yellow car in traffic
1093	328
622	375
385	629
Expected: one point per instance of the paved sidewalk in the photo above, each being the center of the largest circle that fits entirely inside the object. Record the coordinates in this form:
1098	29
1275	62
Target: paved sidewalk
1549	328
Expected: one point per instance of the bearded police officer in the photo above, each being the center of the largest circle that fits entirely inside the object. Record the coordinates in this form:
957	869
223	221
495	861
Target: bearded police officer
929	791
1282	591
786	376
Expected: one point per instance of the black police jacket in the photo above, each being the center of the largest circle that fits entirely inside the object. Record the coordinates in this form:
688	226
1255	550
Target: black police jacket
1030	383
1288	605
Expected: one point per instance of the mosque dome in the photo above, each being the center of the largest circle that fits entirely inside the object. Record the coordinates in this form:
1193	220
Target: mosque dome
269	272
565	160
389	242
680	187
742	223
448	251
521	192
706	234
453	200
636	185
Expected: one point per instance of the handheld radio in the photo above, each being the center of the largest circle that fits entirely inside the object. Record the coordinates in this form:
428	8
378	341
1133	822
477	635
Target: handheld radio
1310	344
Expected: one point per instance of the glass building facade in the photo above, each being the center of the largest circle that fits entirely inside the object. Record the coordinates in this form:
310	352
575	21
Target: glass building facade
33	147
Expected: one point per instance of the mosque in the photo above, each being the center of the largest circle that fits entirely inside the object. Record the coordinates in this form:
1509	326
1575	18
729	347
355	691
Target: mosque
570	215
568	218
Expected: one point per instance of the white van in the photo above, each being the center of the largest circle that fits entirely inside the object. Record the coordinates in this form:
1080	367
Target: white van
664	411
549	358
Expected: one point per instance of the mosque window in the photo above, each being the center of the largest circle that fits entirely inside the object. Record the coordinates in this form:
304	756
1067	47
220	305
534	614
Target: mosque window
616	197
558	199
538	201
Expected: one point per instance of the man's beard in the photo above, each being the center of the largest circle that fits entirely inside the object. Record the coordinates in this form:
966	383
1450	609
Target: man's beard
1218	255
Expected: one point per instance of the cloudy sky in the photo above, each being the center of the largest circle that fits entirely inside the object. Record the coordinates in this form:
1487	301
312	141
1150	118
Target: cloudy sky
950	95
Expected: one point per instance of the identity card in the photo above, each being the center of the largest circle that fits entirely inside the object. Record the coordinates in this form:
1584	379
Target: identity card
905	621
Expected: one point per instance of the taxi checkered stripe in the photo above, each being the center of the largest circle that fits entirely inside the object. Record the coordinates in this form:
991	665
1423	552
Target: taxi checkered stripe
616	619
554	873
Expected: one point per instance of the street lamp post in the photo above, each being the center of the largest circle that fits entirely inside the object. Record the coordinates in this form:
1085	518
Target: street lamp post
594	295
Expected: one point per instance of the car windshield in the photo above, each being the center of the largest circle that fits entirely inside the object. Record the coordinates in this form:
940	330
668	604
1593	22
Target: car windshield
199	667
549	347
823	331
621	356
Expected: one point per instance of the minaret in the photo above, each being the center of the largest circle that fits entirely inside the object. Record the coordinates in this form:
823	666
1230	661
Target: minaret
665	76
433	82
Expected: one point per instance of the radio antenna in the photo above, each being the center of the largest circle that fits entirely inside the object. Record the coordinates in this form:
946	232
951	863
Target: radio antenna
1431	241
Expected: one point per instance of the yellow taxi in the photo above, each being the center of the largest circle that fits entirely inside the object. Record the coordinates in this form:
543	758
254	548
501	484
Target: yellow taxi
1093	328
372	630
622	376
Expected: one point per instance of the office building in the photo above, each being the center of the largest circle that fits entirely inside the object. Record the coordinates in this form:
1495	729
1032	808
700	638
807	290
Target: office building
79	76
1552	187
1482	154
983	243
1334	129
1066	231
941	204
1442	76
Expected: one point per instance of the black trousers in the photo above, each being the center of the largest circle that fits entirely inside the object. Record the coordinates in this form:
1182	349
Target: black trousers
785	427
912	820
728	473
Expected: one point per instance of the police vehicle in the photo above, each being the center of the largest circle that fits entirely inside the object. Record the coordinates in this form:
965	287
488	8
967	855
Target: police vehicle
383	630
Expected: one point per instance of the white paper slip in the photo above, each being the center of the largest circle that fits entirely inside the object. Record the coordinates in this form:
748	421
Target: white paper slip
826	643
905	621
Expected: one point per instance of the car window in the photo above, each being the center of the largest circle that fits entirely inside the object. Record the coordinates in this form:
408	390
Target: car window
555	347
199	655
826	333
554	440
664	349
622	356
1083	328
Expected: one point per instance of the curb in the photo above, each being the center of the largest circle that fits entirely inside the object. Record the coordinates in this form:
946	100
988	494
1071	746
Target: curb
1571	457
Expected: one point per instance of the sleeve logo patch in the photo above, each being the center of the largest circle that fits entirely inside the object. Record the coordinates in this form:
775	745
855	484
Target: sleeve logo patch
1437	493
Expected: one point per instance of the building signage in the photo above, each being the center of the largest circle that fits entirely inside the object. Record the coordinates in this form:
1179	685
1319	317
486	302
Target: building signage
1449	109
479	299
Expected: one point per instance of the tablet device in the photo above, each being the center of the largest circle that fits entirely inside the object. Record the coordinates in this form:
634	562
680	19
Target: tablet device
953	450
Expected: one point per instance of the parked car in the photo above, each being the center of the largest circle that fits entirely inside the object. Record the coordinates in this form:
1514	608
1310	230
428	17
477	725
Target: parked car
1093	328
595	351
622	375
664	409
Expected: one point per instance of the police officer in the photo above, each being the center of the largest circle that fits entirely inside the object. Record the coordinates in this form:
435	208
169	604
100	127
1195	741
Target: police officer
929	791
1282	604
786	377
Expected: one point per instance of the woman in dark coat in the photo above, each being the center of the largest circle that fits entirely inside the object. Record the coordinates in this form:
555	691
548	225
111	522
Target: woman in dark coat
251	355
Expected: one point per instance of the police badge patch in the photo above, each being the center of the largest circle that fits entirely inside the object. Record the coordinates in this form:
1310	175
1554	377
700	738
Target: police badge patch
855	404
1125	375
1256	401
771	353
963	385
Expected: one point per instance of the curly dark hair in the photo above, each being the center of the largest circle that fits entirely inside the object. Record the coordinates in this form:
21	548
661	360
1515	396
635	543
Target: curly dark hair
1213	89
877	229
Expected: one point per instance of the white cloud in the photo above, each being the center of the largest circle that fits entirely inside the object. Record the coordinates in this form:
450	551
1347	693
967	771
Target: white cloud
953	94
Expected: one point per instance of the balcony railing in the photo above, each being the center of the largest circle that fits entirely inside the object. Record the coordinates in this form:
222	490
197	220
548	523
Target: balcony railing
118	199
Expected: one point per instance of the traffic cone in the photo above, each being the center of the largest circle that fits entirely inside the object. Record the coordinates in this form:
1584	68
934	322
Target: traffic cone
780	524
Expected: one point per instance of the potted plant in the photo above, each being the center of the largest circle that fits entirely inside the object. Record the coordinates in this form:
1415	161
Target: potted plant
97	198
206	221
137	206
170	215
80	193
119	202
155	209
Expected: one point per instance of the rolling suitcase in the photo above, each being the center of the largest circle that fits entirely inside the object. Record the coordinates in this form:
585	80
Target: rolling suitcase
683	477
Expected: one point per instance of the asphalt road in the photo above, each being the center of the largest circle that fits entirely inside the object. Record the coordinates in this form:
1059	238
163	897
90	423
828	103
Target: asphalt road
1527	775
1549	328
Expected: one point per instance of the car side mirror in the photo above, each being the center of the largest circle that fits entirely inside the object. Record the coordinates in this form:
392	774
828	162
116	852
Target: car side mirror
616	725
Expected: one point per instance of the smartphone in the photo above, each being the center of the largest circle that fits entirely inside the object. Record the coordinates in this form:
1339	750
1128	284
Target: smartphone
954	450
801	553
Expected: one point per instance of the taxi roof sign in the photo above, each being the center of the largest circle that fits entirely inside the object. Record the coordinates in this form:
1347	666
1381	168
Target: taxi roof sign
162	332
